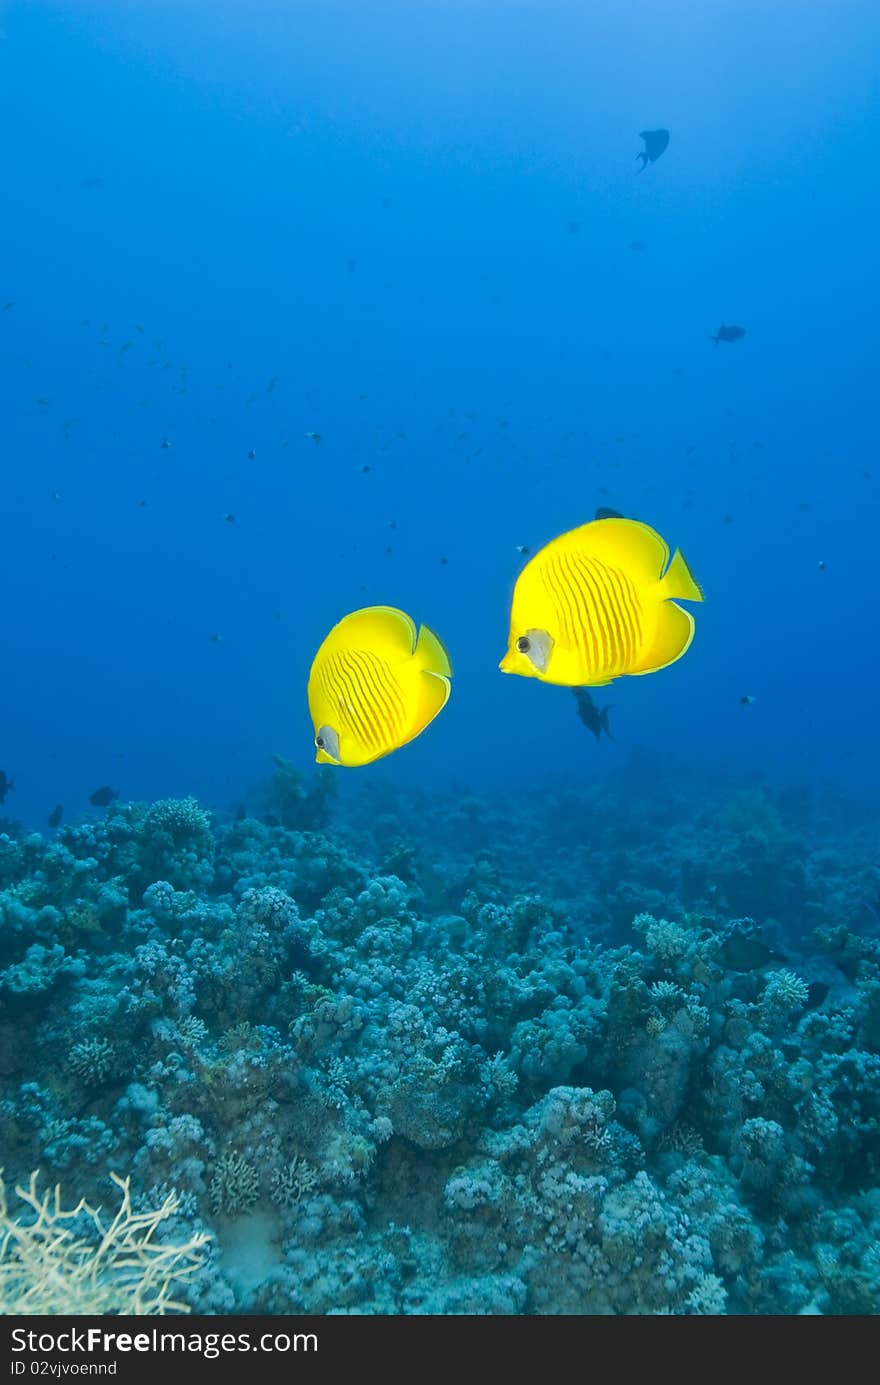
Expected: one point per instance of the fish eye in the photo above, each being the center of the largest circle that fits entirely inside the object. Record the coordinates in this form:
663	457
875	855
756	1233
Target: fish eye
319	742
523	644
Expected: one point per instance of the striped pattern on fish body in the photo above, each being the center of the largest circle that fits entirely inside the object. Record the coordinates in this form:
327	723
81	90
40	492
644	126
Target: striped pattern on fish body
596	603
375	684
367	697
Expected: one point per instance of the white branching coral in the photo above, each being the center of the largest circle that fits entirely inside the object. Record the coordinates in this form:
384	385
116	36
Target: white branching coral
56	1261
785	990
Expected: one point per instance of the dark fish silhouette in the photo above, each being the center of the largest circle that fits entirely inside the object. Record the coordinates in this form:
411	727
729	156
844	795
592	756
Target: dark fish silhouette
655	144
742	951
731	333
594	718
5	785
54	818
104	796
816	993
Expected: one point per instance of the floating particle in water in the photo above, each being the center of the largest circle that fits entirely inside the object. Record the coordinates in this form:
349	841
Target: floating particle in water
822	565
523	548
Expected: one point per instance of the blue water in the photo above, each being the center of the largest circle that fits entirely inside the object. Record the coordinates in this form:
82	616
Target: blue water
419	232
375	208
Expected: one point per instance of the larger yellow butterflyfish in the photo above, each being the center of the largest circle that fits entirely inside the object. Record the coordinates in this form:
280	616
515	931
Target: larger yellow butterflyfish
600	602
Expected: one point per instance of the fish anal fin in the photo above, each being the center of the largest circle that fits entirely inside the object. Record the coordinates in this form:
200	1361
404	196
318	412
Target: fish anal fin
432	696
672	639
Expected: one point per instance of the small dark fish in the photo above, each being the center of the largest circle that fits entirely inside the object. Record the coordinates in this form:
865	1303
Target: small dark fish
604	512
655	145
216	639
728	333
252	456
523	548
271	385
57	813
6	785
313	437
816	993
594	718
230	519
822	565
742	952
165	443
747	700
7	307
103	797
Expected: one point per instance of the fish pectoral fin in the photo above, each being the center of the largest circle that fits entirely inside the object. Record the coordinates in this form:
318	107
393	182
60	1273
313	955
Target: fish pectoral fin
672	638
431	697
431	654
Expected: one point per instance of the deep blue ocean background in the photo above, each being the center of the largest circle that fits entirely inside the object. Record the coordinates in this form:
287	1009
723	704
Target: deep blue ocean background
311	306
418	222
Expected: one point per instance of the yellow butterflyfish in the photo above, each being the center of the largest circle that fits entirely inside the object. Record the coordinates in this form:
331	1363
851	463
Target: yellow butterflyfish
375	684
600	602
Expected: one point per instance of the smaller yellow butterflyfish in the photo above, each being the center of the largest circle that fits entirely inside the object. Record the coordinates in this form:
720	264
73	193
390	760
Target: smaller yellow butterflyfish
600	602
375	684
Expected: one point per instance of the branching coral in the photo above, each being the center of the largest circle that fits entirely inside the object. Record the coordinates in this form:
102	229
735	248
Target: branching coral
56	1261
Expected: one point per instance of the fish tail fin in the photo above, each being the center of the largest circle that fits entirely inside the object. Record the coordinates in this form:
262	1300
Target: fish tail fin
431	654
678	582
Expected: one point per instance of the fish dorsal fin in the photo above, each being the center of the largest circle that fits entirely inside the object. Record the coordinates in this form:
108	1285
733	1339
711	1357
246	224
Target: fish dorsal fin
431	654
624	543
387	631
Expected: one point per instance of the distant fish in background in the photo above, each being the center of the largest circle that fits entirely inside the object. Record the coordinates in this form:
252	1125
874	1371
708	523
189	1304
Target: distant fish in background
594	718
743	949
747	700
103	796
656	142
57	813
6	784
728	333
313	437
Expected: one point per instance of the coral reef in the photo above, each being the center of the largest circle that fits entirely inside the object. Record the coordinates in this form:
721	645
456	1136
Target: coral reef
452	1054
